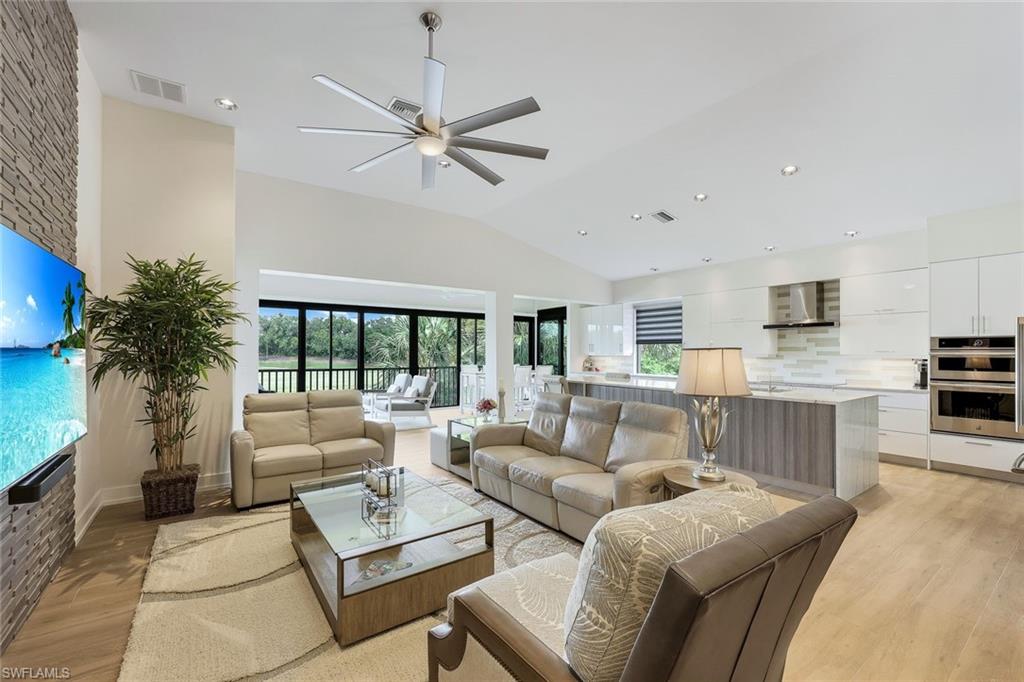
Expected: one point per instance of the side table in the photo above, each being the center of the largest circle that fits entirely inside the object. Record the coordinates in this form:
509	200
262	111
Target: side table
679	481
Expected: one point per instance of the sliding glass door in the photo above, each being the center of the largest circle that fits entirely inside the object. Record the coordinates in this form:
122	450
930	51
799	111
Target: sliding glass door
385	349
279	349
551	338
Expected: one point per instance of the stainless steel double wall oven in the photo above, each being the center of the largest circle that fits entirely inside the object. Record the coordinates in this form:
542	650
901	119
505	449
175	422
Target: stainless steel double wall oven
974	384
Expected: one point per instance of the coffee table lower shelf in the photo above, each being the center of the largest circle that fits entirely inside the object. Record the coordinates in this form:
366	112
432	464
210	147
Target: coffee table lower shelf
360	609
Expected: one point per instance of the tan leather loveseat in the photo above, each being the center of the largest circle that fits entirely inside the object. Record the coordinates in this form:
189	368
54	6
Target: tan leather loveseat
298	436
579	458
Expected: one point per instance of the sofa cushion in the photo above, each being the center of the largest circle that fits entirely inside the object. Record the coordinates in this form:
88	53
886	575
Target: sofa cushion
276	419
349	451
539	473
625	558
497	458
547	422
646	432
534	595
589	429
590	493
278	460
334	415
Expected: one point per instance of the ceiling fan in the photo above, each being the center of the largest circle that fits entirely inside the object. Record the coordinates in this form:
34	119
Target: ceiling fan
429	133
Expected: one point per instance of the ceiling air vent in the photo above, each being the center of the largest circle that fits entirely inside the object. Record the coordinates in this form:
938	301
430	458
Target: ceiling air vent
158	87
405	108
663	216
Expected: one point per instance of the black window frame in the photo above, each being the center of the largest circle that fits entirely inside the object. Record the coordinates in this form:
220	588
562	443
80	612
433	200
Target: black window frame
303	307
558	314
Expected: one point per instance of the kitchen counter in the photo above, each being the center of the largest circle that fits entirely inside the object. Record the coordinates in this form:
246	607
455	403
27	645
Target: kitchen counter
812	440
783	393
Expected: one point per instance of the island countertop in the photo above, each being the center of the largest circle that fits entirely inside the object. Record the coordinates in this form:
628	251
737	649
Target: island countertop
796	395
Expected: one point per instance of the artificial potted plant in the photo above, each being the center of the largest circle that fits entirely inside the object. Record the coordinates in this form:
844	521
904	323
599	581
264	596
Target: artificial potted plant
166	330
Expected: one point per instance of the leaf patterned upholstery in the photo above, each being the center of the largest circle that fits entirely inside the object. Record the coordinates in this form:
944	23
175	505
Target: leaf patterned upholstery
624	560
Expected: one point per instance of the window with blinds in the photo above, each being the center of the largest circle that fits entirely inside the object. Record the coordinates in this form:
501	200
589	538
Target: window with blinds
659	324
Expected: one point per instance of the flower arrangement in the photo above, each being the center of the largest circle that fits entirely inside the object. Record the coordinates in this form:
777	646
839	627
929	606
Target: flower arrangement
485	405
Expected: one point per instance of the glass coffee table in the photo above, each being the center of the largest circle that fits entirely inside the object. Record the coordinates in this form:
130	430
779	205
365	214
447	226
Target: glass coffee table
373	573
458	439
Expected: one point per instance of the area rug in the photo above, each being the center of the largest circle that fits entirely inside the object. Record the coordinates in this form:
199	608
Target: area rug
225	598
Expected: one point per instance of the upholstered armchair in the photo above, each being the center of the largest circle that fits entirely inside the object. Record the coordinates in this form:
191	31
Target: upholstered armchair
716	597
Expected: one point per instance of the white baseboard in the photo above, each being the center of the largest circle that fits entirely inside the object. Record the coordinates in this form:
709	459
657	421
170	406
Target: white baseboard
120	494
88	514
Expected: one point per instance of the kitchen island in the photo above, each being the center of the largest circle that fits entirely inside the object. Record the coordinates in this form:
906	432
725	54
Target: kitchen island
815	441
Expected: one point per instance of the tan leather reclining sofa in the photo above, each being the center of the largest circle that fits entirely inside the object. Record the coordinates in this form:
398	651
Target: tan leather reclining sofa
579	458
291	437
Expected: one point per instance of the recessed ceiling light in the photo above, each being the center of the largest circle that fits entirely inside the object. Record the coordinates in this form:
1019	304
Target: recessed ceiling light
225	103
637	217
654	269
444	163
582	233
769	249
851	233
705	259
790	170
700	197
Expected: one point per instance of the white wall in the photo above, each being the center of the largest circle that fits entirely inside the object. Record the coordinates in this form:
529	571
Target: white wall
167	191
289	287
294	227
980	232
89	454
901	251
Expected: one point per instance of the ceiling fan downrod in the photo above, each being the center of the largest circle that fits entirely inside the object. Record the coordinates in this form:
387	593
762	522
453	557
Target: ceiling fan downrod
431	22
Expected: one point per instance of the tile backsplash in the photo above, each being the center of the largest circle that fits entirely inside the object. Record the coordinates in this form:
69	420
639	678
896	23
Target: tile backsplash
812	354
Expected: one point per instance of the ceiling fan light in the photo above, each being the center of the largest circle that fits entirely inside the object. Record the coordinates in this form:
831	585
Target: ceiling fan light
428	145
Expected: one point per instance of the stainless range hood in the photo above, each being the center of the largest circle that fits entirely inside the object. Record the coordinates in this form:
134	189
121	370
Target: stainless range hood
806	307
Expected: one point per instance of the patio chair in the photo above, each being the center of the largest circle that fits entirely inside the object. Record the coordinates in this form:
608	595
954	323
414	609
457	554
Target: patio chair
396	388
414	402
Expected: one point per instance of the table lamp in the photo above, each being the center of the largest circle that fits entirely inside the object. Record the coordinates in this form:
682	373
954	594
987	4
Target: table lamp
710	374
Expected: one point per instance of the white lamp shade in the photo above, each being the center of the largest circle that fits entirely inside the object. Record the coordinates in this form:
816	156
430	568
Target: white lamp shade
712	372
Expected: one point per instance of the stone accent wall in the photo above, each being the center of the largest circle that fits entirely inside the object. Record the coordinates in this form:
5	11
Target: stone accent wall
38	192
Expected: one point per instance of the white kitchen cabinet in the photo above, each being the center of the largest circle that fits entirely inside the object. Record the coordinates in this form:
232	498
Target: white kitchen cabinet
954	298
1000	293
603	328
905	291
741	305
697	321
751	336
977	296
983	453
896	335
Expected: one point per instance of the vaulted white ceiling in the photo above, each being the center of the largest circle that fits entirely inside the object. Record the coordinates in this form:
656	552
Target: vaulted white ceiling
893	112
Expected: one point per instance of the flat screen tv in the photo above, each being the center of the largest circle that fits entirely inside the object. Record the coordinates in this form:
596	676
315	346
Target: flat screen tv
42	356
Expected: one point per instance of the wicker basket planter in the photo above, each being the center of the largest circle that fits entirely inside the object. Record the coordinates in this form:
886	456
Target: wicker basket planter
170	493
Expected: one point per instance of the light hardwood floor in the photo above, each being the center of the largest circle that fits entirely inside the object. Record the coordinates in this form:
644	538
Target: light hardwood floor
928	586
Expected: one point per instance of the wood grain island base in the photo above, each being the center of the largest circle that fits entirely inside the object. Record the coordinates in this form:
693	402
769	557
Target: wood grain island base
806	440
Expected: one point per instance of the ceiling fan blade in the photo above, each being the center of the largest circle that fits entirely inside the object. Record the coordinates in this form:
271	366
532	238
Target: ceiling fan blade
433	94
382	157
366	102
498	147
464	159
350	131
488	118
429	171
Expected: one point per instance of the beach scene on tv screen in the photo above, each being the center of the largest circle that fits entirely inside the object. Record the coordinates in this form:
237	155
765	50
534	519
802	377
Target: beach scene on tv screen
42	355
